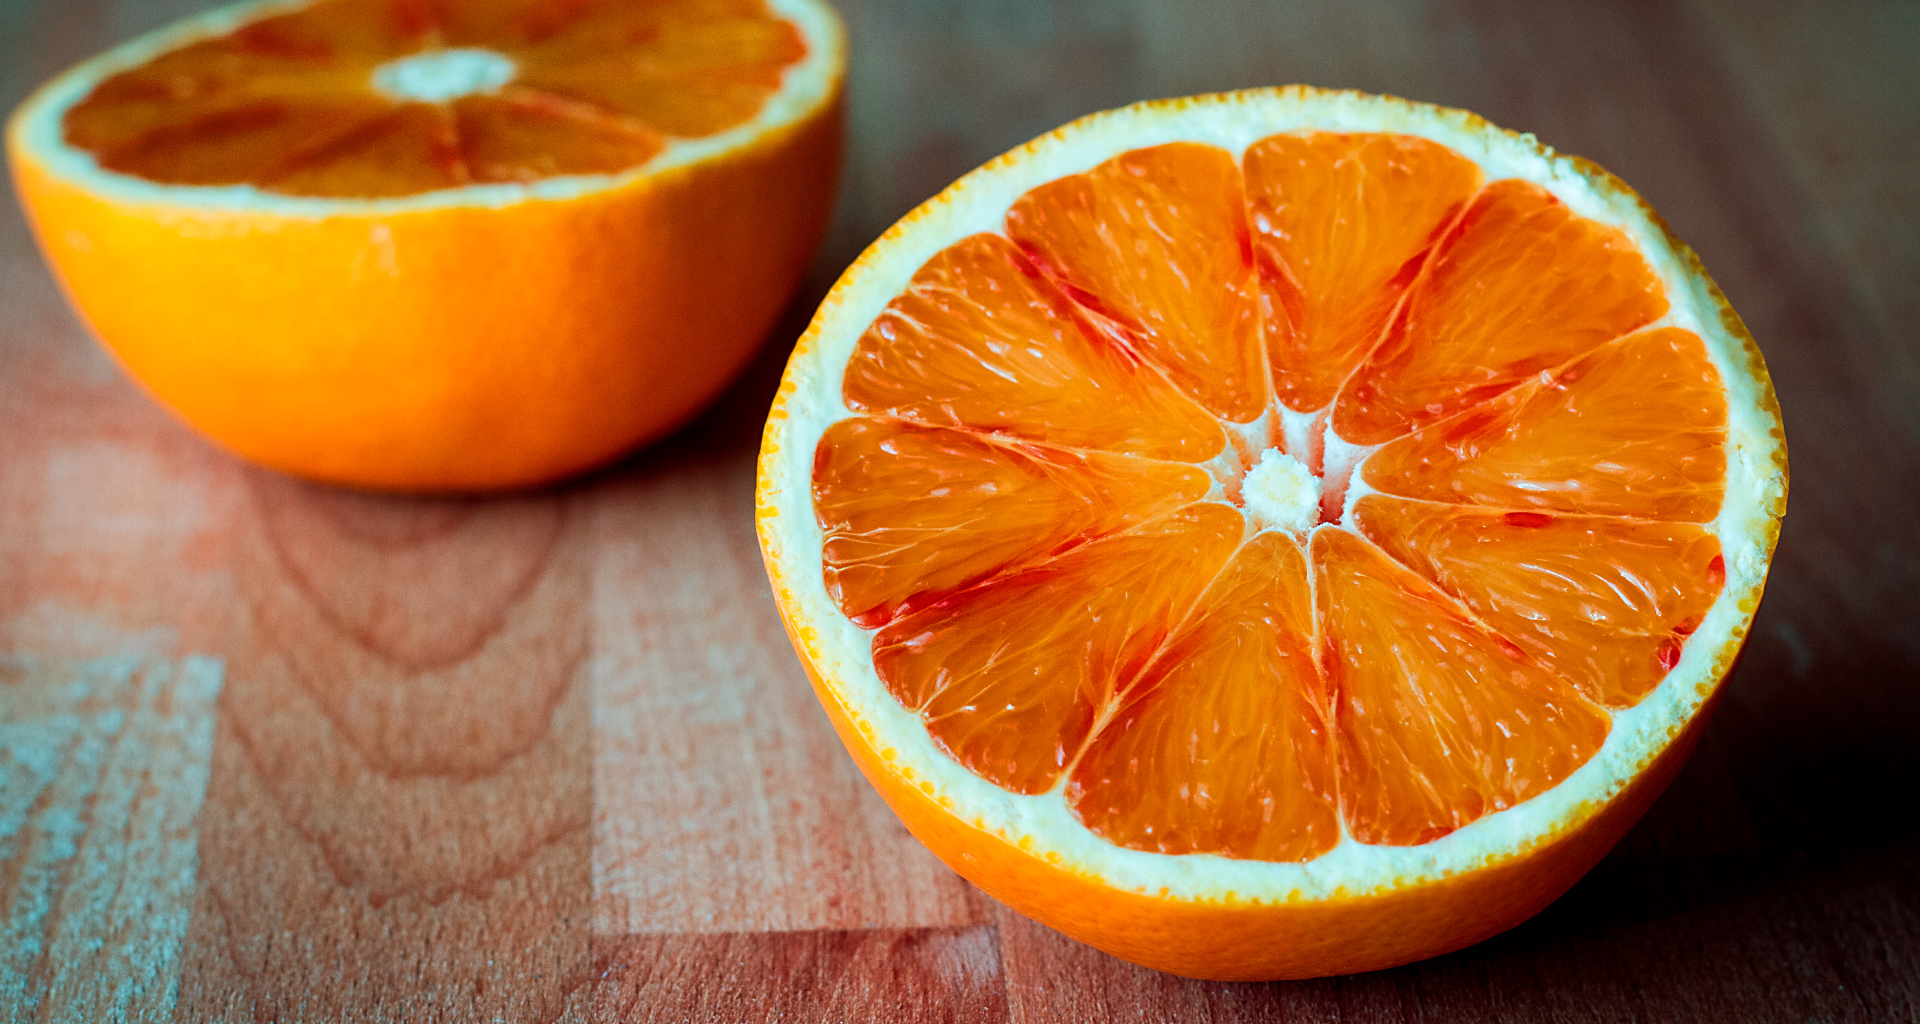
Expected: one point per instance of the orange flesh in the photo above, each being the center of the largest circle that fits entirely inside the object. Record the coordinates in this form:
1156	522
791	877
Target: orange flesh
1604	602
288	103
1637	428
1069	608
1341	225
1223	746
1013	675
980	505
1154	244
1440	720
1519	285
980	340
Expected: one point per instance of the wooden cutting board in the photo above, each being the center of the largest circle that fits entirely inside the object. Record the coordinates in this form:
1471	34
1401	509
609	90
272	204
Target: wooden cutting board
271	751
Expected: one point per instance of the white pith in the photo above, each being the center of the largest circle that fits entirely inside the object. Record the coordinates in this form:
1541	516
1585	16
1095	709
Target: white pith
1279	493
437	76
805	87
810	400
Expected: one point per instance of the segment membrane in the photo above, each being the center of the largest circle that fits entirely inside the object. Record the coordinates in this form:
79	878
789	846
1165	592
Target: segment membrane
1604	602
979	339
1154	244
1225	744
978	507
1011	676
1636	428
1341	225
1520	284
1439	721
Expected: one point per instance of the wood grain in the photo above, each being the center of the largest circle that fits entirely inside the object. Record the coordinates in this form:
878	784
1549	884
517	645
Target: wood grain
723	801
103	765
883	975
549	757
397	825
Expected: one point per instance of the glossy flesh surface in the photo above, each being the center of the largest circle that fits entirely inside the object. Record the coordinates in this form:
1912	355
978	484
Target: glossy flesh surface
294	103
1537	553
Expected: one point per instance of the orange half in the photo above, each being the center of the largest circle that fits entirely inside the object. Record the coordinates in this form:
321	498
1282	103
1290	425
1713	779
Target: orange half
439	245
1273	534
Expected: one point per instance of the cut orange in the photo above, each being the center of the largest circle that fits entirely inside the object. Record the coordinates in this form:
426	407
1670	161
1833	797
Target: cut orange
1273	534
427	245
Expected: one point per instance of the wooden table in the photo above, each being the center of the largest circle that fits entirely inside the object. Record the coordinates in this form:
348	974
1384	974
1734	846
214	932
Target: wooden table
278	752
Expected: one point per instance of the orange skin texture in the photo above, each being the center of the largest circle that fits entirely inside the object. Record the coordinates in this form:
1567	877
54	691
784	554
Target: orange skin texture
1230	939
450	349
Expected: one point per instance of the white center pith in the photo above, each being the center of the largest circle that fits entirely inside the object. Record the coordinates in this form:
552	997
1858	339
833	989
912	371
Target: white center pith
442	75
1281	493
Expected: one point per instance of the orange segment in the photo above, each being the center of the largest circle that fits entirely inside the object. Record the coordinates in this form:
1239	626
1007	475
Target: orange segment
206	81
680	107
1520	284
981	506
978	339
1636	428
247	104
1011	676
414	148
678	33
1440	721
221	141
1603	602
711	71
1224	745
533	25
1154	242
517	136
321	43
1341	224
348	33
291	103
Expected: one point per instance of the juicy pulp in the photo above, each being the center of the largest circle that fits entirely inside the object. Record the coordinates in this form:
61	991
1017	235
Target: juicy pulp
292	104
1035	506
